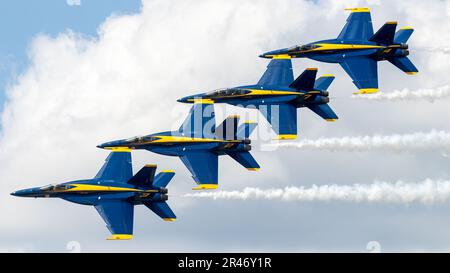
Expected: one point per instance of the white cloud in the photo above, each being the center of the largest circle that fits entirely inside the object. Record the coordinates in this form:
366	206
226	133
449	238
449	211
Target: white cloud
73	2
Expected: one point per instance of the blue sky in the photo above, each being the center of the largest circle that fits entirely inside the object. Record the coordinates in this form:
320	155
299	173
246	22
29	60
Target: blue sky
21	20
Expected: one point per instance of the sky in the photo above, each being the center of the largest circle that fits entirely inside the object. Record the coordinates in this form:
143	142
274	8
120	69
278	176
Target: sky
22	20
105	70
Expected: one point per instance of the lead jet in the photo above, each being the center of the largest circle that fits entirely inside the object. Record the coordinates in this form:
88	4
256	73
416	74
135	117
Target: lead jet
114	192
198	143
358	50
277	95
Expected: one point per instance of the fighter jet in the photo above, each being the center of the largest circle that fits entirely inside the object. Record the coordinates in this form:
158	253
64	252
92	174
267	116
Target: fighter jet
358	50
114	192
198	143
278	96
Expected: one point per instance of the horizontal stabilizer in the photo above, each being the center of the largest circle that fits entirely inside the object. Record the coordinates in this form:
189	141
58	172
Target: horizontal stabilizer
163	178
144	177
403	35
324	111
324	82
405	65
228	128
162	210
245	129
385	35
245	159
306	80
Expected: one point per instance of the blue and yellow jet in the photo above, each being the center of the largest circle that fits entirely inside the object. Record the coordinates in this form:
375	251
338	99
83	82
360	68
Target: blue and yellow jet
357	49
277	95
198	143
114	192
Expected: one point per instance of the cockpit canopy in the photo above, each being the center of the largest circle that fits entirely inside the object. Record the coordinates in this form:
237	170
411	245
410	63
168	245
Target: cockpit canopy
225	92
303	47
57	187
141	139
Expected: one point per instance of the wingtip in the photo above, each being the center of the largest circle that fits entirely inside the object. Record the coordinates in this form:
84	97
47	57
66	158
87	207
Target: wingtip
358	9
366	91
286	137
205	187
114	237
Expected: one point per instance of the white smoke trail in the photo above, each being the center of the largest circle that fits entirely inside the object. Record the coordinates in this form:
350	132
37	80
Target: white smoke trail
408	95
433	140
426	192
442	49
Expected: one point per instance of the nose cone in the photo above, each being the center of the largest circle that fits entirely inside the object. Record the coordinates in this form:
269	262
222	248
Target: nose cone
112	144
271	54
27	192
183	100
190	99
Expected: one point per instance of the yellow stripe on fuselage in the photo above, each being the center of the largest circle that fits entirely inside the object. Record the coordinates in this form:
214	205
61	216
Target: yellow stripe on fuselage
183	139
256	92
329	47
282	57
101	188
118	149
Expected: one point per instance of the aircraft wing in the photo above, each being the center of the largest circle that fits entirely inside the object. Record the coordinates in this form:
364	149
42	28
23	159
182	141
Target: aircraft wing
283	118
364	73
117	167
278	73
118	216
203	166
200	121
358	26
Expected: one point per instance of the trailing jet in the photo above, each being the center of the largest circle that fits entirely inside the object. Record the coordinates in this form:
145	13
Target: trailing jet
198	143
278	96
358	50
114	192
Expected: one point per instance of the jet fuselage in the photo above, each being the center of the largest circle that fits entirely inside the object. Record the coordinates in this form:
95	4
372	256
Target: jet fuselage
94	191
176	144
256	95
337	51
